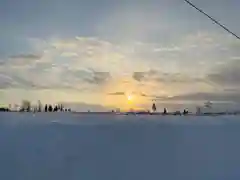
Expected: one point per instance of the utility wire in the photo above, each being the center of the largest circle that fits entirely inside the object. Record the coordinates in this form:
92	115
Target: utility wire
215	21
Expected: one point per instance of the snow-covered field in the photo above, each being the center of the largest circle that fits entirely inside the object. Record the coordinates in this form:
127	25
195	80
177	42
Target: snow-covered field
85	147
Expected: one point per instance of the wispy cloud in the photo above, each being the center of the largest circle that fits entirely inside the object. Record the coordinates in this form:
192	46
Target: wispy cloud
26	56
117	94
227	75
162	77
190	65
167	49
231	97
98	77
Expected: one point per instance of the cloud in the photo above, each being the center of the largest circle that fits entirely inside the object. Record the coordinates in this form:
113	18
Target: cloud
98	77
208	96
235	58
167	49
195	63
143	95
12	81
161	77
138	76
46	76
69	54
117	94
63	64
227	75
27	56
5	81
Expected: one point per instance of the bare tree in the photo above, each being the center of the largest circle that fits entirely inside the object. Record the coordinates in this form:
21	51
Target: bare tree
26	106
39	106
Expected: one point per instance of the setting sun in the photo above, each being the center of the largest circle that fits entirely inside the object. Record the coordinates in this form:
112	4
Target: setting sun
129	97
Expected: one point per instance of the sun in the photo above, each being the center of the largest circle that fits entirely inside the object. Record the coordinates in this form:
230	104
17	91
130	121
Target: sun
129	97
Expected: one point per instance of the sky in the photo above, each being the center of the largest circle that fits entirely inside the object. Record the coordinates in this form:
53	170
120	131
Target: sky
106	53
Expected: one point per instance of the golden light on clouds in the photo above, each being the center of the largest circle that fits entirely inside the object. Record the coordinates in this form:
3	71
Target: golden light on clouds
123	75
123	92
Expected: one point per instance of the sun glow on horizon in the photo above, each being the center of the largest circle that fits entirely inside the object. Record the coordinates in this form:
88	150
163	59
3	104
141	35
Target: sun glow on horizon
129	97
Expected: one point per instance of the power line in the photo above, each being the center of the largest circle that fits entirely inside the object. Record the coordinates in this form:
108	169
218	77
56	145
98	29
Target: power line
211	18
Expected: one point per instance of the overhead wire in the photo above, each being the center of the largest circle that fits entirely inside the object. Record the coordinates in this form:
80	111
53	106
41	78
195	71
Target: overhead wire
212	19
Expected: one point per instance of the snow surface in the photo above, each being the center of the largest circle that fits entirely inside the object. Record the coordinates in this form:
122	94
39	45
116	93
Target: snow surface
62	146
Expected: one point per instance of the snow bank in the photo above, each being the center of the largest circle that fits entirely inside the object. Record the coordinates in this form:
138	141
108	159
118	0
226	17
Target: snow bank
70	146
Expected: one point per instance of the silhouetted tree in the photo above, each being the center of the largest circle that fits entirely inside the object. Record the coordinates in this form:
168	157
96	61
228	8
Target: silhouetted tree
39	106
58	107
4	109
185	112
26	106
28	109
154	108
165	111
50	108
55	109
46	108
198	110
